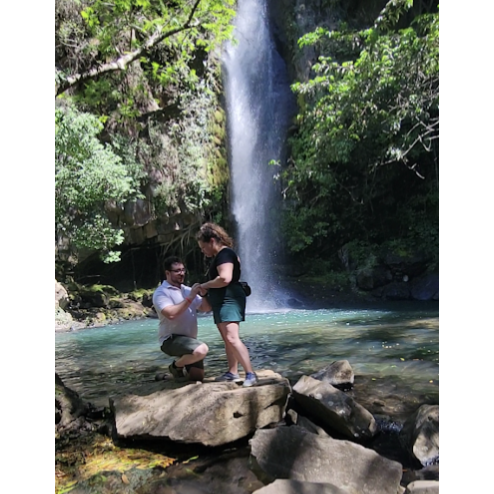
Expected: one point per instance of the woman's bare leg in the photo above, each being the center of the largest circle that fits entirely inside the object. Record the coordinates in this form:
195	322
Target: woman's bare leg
234	346
230	355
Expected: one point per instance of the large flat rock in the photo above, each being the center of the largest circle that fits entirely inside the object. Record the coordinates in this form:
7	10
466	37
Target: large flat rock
208	413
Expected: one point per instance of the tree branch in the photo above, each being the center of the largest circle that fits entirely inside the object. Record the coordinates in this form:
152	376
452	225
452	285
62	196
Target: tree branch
121	63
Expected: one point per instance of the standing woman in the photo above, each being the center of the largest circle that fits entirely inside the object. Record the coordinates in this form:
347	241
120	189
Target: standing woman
227	299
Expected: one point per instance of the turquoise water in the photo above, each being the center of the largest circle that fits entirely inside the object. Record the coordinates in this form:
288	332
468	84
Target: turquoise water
394	352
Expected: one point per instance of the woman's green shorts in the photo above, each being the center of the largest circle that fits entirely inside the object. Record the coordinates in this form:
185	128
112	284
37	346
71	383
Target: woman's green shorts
228	303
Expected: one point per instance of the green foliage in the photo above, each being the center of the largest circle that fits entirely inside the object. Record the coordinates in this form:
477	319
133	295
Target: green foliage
362	254
141	76
364	158
184	155
88	175
116	47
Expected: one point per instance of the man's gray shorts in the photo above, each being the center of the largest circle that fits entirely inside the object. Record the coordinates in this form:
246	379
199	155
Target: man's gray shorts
178	345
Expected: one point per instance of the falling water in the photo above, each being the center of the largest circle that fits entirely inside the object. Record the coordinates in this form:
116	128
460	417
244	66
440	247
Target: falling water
259	106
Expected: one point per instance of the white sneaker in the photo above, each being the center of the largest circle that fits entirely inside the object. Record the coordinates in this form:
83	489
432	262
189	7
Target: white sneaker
250	380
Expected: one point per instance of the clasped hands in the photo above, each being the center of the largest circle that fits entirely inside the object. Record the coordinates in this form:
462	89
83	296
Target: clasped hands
197	289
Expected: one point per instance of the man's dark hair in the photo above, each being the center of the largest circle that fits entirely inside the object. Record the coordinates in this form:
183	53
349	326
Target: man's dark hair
170	261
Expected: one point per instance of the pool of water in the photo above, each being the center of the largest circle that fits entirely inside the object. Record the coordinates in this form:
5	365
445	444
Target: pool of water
393	350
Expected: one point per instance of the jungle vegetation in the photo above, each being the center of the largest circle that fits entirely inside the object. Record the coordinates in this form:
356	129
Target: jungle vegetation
139	117
364	168
137	88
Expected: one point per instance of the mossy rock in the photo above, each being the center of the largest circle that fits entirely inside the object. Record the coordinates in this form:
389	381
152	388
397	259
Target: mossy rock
72	287
219	116
143	295
94	299
219	131
100	317
62	316
131	312
108	289
97	295
115	303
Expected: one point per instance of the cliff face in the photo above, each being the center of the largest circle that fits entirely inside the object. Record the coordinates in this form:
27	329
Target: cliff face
290	19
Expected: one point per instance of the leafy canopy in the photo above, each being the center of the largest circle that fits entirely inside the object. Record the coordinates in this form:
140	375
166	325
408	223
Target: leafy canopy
163	36
88	177
145	70
366	145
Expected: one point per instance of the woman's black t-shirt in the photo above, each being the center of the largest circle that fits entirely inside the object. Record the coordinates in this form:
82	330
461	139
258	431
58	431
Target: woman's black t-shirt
224	256
228	302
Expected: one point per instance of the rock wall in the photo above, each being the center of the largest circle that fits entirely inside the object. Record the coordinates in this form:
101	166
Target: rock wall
291	19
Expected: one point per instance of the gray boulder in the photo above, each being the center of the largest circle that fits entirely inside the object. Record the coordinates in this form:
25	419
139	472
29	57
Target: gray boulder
61	296
284	486
425	287
420	434
301	421
404	263
396	291
296	454
371	278
430	472
423	487
337	373
334	409
209	413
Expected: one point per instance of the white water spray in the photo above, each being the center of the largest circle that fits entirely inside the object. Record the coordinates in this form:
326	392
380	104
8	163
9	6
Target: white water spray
258	100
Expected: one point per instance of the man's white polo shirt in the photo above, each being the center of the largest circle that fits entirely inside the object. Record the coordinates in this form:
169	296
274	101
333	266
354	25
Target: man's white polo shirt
186	323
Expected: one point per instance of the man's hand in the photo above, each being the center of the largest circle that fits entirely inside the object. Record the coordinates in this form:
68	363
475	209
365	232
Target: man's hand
195	290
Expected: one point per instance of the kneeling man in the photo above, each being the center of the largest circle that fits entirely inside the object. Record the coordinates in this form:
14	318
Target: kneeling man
177	306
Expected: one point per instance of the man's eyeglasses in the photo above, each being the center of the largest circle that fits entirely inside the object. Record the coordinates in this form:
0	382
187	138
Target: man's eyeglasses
183	270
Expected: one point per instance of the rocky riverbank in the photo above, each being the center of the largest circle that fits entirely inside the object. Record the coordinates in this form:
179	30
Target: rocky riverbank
78	306
279	437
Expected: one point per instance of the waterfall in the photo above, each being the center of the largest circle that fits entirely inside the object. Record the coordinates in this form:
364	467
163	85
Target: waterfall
259	105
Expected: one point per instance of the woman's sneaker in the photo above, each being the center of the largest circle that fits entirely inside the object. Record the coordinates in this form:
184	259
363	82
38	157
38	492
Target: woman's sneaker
250	380
228	377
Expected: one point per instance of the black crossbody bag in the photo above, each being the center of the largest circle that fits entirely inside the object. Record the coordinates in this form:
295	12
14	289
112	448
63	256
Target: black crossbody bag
245	286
